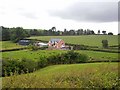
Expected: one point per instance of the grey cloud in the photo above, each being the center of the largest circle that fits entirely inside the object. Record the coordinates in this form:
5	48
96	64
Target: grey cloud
89	12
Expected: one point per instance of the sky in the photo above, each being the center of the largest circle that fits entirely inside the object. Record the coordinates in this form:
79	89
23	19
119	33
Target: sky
70	14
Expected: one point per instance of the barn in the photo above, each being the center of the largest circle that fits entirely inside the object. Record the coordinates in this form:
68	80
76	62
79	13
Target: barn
56	43
41	44
24	42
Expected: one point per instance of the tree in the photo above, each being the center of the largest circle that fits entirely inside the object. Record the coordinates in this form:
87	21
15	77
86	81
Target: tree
79	31
104	32
65	32
110	33
17	34
85	32
105	43
72	32
92	32
53	29
98	31
5	34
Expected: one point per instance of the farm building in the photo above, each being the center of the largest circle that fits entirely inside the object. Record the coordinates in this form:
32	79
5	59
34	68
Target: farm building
56	43
24	42
41	44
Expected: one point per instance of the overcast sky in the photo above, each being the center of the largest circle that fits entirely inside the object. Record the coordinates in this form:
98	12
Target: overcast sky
69	14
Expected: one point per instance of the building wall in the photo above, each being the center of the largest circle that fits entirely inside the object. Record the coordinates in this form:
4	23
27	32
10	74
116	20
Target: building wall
57	45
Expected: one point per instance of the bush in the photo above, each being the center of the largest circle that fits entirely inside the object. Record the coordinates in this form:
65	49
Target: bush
80	47
105	43
25	65
33	47
28	65
10	66
68	58
18	66
42	62
44	47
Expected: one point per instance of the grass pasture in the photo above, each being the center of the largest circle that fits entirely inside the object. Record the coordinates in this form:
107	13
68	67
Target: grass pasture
9	45
90	40
92	75
36	55
87	75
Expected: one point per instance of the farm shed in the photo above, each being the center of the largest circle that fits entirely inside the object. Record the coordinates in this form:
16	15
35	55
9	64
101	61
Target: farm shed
24	42
41	44
56	43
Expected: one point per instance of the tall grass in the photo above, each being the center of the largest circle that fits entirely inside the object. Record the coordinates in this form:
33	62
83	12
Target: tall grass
97	75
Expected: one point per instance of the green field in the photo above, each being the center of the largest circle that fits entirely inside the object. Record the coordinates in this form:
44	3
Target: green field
9	45
92	75
87	75
90	40
36	55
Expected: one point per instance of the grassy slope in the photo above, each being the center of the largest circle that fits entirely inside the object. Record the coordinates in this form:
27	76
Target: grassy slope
8	45
67	76
35	55
91	40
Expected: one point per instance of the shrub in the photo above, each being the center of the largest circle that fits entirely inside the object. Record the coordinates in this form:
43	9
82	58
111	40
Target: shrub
68	58
28	65
9	66
105	43
33	47
17	66
44	47
42	62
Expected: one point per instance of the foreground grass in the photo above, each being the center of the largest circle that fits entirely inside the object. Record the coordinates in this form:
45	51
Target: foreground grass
36	55
90	40
9	45
92	75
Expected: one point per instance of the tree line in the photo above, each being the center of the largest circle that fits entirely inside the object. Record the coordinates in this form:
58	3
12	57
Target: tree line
16	33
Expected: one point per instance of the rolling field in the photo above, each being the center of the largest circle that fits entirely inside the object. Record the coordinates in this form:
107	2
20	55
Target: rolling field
87	75
36	55
92	75
8	45
90	40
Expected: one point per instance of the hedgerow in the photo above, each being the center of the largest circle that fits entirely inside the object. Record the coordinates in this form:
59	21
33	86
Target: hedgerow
26	65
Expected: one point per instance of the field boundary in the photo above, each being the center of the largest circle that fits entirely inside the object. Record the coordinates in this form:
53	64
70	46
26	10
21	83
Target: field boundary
15	49
90	48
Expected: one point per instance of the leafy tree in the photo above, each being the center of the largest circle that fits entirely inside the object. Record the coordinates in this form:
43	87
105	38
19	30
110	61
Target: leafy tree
79	31
53	28
85	32
65	32
105	43
110	33
92	32
104	32
5	34
17	34
72	32
98	31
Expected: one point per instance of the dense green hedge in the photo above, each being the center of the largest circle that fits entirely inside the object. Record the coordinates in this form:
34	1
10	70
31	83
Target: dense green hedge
12	66
68	58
